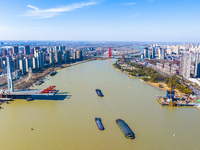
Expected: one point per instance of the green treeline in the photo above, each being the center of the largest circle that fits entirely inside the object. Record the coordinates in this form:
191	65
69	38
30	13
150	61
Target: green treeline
179	84
117	66
155	77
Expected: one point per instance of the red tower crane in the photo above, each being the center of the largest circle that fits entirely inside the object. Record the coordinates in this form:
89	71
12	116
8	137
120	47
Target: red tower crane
110	53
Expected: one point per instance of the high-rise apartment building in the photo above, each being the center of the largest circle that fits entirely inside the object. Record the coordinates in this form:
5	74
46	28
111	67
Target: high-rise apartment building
185	64
51	57
29	64
56	48
197	65
36	49
62	48
74	55
32	51
1	63
146	52
15	49
44	57
159	53
66	56
5	52
44	49
169	51
79	54
177	49
22	65
49	49
163	53
83	53
16	63
153	53
40	59
26	49
58	56
35	62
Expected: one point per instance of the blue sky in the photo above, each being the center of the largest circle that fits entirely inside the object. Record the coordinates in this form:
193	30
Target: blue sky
100	20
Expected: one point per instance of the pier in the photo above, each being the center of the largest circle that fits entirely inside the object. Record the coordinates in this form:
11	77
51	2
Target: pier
163	101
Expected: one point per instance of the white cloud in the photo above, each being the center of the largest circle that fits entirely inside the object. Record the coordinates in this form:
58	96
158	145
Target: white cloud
51	12
33	7
129	3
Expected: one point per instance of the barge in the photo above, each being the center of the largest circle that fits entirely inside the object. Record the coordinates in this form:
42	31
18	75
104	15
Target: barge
99	93
128	133
39	82
99	123
53	73
29	99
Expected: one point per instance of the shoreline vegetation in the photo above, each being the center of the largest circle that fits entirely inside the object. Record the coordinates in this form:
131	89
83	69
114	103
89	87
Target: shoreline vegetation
155	79
26	81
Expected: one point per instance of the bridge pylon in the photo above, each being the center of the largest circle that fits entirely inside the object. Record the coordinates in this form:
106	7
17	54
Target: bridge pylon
110	53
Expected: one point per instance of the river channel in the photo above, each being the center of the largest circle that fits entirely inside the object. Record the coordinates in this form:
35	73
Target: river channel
69	124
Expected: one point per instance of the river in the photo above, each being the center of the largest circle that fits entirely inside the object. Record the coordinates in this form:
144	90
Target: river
69	123
141	48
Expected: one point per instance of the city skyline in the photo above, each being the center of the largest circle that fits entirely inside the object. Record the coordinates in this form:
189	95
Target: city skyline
100	20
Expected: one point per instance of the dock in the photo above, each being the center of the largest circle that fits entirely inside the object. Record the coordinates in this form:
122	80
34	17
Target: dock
163	102
48	93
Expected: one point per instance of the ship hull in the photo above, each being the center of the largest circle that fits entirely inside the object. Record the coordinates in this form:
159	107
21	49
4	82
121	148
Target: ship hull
99	93
128	133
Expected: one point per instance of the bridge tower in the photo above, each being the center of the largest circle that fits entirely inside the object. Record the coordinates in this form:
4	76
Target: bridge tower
9	75
110	53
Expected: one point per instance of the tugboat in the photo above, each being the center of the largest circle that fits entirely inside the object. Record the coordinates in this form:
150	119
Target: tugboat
29	99
39	82
99	93
99	123
128	133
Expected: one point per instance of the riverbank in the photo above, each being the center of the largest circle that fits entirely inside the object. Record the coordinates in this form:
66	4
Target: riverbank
181	98
156	85
134	69
164	87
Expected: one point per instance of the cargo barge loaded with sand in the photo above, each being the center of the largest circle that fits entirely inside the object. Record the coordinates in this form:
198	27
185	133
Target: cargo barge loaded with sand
128	133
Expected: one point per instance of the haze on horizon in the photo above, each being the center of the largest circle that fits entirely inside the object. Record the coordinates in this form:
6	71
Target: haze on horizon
100	20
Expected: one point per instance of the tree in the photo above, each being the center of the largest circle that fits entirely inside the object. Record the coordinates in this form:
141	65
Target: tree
145	79
153	80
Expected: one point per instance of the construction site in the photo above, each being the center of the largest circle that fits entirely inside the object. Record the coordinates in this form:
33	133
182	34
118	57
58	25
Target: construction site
173	100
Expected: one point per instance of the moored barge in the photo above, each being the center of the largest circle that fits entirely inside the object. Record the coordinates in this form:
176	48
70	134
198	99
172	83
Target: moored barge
128	133
99	93
29	99
53	73
99	123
